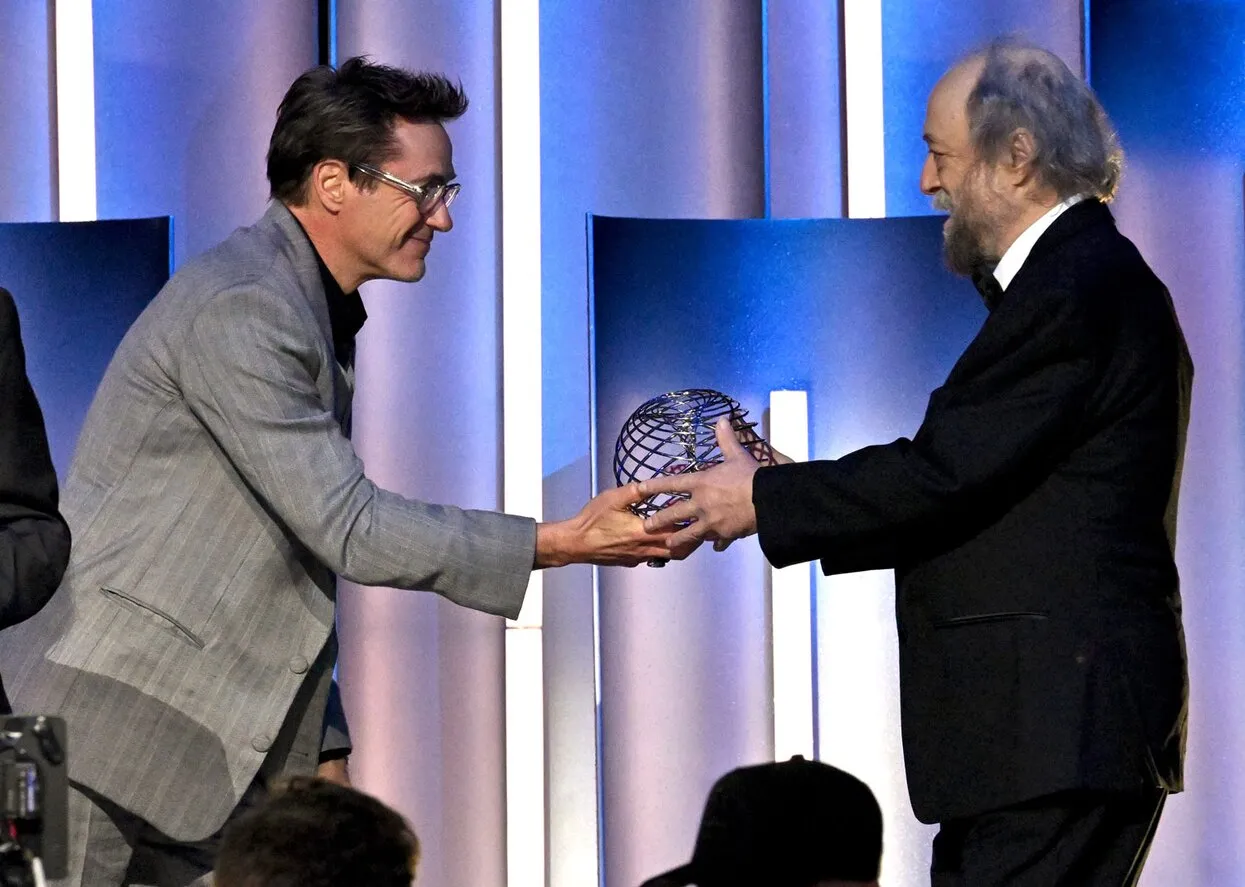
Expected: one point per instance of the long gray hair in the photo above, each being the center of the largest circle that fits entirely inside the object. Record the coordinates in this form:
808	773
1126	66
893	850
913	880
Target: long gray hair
1025	87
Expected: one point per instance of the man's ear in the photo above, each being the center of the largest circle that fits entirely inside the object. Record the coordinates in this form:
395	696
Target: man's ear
329	185
1020	157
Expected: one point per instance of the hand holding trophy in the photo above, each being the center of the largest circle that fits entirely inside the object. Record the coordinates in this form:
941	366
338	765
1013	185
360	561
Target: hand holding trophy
674	434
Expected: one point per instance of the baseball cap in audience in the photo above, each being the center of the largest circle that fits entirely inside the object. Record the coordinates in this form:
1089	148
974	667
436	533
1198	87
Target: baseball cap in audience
797	823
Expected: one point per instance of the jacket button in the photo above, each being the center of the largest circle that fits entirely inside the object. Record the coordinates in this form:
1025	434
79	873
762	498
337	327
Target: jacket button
298	664
262	742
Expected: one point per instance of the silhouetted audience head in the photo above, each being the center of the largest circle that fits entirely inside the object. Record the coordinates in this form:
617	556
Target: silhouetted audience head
312	833
797	823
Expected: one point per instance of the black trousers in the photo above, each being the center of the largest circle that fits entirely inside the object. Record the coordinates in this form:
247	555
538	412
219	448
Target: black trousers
1081	838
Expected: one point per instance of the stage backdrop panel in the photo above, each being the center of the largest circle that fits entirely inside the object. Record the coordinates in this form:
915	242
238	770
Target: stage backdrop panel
1171	75
78	287
859	313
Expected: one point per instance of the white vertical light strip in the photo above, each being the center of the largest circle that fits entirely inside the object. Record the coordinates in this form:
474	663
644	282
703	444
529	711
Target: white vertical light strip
791	604
75	110
862	76
525	758
522	438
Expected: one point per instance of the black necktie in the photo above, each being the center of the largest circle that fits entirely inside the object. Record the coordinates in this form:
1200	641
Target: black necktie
988	285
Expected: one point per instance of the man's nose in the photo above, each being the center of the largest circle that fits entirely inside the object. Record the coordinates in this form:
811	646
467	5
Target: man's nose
929	177
440	218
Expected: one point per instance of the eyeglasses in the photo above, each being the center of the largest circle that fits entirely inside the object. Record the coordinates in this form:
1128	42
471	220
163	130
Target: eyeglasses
426	197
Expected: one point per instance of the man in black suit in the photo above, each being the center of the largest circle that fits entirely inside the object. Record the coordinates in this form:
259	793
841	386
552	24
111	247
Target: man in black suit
34	539
1031	519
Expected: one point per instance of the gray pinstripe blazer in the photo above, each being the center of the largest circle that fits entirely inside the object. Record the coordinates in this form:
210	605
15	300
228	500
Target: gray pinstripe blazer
212	498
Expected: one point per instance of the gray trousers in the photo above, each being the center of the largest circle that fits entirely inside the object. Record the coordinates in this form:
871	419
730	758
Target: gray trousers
110	847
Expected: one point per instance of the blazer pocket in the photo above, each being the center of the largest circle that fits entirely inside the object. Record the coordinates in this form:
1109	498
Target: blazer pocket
133	603
987	618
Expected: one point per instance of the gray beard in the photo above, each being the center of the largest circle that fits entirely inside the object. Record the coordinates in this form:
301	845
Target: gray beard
963	246
974	221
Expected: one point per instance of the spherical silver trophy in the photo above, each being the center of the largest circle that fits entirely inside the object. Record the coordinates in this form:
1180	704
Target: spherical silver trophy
673	434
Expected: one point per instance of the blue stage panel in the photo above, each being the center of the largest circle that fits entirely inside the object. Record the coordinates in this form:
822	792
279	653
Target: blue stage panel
862	315
856	311
78	287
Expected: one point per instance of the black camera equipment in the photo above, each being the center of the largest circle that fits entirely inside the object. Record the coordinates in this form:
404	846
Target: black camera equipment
34	800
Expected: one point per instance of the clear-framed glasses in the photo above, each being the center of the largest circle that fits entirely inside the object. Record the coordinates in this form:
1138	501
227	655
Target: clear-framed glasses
426	197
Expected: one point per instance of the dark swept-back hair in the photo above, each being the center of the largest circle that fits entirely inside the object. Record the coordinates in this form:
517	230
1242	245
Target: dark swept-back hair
1023	86
348	114
313	833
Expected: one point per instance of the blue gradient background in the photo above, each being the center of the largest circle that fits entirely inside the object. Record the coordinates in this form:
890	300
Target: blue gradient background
861	315
752	306
920	40
27	113
1171	73
186	94
78	287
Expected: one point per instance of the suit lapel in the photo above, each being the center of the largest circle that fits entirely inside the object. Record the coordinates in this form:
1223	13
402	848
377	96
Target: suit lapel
302	258
343	384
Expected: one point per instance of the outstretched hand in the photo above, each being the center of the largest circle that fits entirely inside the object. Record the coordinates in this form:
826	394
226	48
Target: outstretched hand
720	508
607	533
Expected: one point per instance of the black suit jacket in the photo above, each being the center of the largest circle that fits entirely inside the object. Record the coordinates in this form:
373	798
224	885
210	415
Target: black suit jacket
34	539
1030	523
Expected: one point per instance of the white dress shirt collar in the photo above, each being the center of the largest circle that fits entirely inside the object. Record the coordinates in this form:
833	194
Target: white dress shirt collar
1014	258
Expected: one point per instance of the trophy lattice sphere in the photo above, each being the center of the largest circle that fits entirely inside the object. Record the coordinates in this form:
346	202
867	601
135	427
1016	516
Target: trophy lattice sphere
673	434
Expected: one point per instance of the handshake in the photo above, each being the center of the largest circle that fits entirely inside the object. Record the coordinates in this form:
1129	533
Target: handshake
684	464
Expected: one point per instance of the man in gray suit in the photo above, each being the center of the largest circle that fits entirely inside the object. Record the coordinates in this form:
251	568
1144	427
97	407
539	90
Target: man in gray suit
214	497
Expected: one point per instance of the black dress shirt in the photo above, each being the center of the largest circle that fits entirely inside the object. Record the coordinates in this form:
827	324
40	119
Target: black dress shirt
346	312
